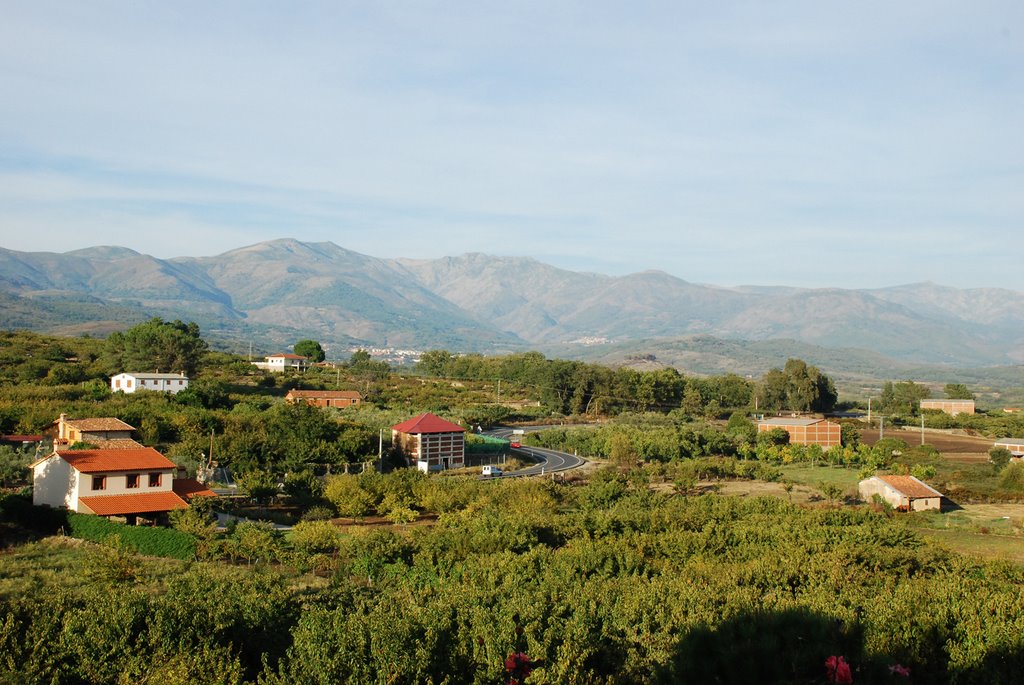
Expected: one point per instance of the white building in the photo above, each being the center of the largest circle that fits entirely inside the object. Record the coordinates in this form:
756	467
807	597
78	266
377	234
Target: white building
112	482
905	493
159	382
278	363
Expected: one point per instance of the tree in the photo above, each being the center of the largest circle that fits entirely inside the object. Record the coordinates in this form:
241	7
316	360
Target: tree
157	345
260	485
1000	457
797	387
903	397
310	349
958	391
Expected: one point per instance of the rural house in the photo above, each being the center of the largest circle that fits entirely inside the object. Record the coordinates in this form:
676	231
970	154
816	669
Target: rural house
279	363
129	483
107	433
431	443
810	431
951	407
904	493
325	398
158	382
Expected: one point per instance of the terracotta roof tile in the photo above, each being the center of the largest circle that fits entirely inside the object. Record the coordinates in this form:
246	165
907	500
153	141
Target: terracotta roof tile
910	486
93	425
141	503
119	444
428	423
190	487
103	461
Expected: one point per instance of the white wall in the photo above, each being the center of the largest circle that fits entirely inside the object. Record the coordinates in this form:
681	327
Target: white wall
54	483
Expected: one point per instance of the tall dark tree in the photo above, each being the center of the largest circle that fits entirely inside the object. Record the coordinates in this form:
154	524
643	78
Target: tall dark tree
958	391
157	345
310	349
903	397
797	387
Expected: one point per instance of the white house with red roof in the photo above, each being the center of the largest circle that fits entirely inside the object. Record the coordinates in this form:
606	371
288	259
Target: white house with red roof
129	482
905	493
430	442
283	361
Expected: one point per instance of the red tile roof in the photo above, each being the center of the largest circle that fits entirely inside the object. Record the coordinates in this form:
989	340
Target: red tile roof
103	461
21	438
141	503
190	487
910	486
428	423
118	444
95	425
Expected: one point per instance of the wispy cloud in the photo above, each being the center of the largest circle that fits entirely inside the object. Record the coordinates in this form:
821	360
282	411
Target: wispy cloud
796	142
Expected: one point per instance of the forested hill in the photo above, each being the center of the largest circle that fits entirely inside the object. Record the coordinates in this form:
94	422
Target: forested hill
285	289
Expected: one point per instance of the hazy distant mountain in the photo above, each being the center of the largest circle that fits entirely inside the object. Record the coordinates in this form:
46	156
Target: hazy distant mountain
279	291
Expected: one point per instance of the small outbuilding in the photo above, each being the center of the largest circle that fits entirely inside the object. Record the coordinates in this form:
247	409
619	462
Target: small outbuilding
904	493
1014	445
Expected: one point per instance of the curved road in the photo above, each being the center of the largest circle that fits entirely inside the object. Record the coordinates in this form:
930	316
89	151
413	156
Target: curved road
549	461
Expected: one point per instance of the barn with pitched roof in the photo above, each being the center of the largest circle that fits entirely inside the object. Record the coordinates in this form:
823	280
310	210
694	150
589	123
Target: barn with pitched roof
904	493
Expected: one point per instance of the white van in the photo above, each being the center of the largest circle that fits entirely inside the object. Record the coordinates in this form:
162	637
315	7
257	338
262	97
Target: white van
491	470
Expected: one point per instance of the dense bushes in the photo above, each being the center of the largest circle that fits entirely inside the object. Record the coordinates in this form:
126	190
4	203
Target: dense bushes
604	583
157	542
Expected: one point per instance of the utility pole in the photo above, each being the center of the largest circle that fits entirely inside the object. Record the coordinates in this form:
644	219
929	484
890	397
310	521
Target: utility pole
869	411
922	428
881	427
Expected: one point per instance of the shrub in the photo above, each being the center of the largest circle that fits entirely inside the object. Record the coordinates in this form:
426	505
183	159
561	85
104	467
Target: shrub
156	542
1012	477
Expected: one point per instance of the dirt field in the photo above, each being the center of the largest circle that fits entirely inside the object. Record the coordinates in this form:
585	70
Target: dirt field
953	445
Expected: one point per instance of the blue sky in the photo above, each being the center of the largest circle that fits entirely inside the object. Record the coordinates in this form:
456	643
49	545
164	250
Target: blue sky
813	144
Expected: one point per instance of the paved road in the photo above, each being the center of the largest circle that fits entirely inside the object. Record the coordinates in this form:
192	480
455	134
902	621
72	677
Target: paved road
548	461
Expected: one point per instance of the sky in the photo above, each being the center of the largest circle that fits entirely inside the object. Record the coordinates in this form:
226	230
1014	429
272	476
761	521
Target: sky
814	144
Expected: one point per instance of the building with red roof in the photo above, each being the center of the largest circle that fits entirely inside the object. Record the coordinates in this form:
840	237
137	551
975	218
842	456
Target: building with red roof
904	493
102	432
430	442
130	482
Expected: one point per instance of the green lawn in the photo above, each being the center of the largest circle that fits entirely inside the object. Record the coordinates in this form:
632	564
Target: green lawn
817	476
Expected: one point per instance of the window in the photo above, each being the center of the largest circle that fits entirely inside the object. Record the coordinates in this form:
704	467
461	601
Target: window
131	480
154	480
99	482
128	383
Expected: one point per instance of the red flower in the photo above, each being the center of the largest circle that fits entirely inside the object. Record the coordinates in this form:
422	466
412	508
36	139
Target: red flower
838	671
519	667
899	669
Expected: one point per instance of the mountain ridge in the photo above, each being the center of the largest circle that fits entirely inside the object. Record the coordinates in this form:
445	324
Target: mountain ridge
477	302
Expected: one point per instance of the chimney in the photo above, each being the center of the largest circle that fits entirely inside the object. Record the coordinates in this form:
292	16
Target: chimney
62	426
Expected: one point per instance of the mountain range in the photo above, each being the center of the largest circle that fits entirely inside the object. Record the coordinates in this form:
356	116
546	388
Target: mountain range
279	291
